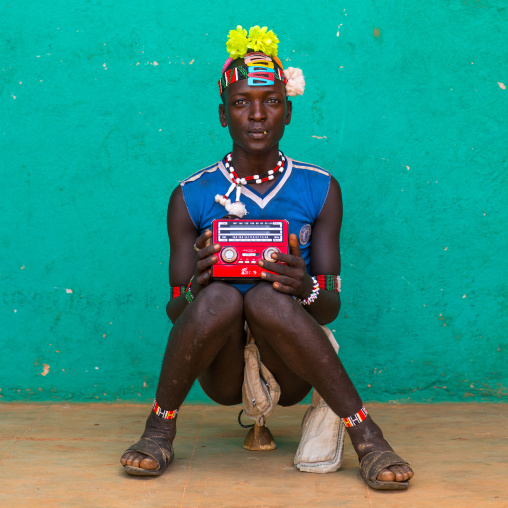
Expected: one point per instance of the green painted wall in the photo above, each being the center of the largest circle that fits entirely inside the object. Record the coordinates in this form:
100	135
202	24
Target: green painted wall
106	105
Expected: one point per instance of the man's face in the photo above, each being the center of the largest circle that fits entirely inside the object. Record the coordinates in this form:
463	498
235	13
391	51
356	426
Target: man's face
255	115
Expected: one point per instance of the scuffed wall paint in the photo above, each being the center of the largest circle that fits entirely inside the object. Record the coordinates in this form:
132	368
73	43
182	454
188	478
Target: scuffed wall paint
109	107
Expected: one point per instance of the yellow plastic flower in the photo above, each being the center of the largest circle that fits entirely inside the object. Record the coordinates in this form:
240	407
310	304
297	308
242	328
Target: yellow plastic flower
261	40
237	42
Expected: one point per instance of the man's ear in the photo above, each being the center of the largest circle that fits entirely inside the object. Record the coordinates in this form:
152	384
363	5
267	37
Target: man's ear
289	110
222	115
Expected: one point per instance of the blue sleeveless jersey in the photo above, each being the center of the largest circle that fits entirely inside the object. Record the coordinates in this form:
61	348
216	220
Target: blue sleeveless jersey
298	196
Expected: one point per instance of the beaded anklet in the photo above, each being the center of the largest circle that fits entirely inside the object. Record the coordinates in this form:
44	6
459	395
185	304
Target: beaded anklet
166	415
357	418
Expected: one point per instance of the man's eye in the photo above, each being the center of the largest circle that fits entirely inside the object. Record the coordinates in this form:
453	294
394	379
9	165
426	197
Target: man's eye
273	100
240	102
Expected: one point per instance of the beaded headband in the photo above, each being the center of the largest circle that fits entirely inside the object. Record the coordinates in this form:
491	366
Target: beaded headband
258	71
259	68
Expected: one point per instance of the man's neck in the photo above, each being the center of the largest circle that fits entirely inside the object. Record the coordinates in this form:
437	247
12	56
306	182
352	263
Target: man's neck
248	163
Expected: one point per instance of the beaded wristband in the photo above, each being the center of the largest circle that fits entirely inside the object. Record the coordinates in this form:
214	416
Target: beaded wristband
167	415
176	291
329	282
312	296
188	294
357	418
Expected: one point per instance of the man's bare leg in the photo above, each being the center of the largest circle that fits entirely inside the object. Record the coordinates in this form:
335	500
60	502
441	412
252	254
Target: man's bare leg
212	326
280	325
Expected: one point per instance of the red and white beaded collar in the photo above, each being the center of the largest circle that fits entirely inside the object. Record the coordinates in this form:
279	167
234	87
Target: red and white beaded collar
238	208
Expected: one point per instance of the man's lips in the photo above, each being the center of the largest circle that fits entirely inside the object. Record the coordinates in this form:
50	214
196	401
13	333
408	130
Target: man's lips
257	133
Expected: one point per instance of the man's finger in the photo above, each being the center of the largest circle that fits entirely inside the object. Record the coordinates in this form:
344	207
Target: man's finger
281	284
281	269
204	278
294	246
203	240
289	259
208	251
278	279
288	290
204	264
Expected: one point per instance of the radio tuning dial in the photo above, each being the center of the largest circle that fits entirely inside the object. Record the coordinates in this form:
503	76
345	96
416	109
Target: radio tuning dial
267	253
229	255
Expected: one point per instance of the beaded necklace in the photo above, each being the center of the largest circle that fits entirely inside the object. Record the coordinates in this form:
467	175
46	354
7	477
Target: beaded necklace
238	208
269	175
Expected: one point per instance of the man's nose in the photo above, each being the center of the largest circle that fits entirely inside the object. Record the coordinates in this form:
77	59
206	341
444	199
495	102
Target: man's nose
257	111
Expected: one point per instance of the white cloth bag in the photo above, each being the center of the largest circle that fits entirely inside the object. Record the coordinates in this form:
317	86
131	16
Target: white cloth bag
322	445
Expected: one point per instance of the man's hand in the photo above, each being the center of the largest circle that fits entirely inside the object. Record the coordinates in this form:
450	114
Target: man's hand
291	278
205	258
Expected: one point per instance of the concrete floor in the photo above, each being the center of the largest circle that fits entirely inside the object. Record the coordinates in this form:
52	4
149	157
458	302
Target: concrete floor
68	455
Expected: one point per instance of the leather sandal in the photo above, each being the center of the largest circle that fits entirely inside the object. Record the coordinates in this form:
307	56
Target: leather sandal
158	448
374	462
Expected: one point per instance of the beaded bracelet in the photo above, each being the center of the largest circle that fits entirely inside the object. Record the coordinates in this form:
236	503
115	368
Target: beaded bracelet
312	296
176	291
188	294
329	282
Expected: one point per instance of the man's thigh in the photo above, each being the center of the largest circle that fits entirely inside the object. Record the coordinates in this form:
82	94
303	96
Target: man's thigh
222	380
272	317
292	387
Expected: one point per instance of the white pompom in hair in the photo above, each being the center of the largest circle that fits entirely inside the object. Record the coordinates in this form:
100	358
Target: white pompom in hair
295	81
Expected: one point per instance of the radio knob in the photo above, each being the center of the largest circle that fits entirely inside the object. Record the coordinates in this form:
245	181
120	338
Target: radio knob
228	255
267	253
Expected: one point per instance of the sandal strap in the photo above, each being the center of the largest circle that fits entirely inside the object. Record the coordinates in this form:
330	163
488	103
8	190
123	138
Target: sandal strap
157	447
374	462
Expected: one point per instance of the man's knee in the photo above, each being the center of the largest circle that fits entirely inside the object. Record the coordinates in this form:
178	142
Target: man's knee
218	302
215	314
266	306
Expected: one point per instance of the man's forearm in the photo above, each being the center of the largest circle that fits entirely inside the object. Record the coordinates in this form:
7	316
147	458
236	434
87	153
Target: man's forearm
175	307
325	308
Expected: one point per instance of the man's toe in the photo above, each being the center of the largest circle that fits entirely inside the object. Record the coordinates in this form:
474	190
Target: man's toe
386	476
400	473
126	457
395	474
135	459
148	463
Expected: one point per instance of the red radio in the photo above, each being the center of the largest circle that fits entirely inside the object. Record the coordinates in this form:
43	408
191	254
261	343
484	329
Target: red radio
243	243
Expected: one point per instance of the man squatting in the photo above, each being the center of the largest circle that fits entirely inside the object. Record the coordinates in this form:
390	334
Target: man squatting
285	309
